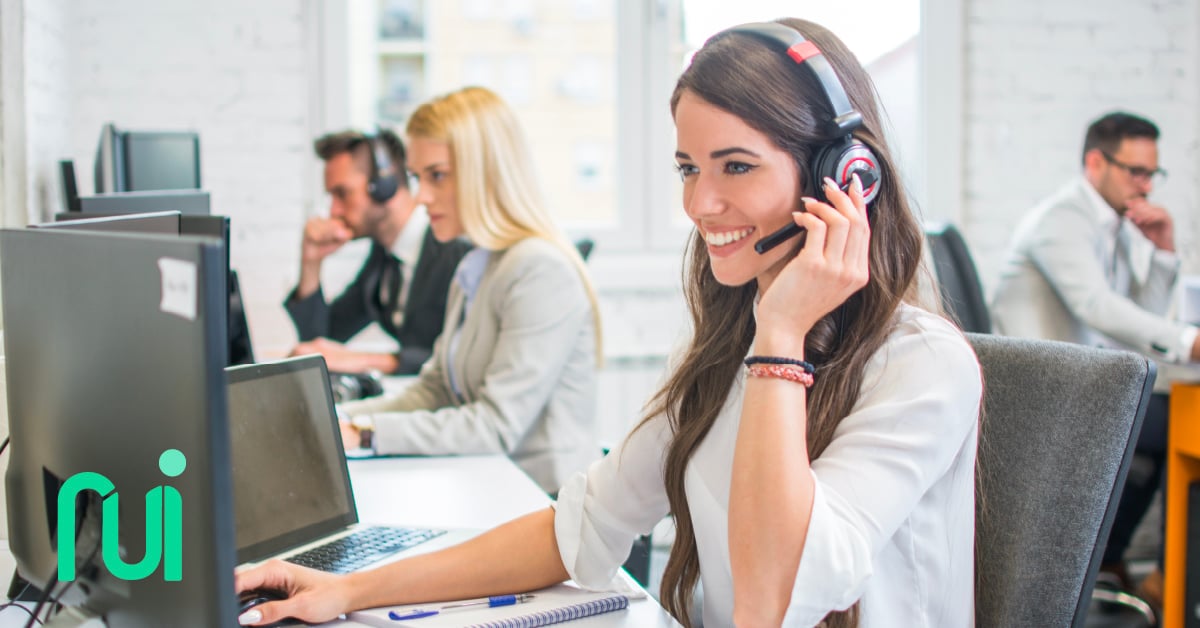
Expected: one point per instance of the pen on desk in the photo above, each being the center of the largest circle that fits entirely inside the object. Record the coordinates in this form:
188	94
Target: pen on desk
491	602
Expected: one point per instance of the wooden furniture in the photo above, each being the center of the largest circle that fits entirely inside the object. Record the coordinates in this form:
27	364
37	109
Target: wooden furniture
1183	468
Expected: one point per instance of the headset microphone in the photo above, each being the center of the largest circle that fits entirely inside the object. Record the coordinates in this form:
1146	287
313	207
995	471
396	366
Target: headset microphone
792	229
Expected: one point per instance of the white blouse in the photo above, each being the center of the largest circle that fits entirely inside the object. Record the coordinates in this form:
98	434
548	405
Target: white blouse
893	517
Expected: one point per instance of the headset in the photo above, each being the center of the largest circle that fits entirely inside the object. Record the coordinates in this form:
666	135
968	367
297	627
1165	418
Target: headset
839	157
384	183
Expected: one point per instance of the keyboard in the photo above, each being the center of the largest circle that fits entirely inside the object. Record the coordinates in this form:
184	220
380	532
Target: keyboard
362	547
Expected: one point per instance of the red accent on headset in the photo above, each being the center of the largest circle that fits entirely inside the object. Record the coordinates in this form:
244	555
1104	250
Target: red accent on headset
803	51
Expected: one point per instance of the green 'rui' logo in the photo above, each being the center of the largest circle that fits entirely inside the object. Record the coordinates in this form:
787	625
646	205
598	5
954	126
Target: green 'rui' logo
164	524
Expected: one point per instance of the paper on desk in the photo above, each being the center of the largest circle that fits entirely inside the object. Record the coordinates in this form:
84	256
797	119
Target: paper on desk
557	596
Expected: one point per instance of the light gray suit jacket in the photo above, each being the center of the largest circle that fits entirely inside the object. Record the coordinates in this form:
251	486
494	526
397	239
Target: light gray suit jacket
1055	283
525	365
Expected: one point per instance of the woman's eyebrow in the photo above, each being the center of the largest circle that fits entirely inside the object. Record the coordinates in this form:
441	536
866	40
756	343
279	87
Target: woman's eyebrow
717	154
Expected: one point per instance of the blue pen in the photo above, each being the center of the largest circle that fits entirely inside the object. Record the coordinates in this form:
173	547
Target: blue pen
491	602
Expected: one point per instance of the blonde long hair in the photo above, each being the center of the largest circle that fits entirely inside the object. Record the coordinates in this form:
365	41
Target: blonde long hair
499	201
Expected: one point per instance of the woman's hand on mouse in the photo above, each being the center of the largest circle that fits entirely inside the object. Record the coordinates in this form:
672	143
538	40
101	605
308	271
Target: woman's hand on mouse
831	267
313	596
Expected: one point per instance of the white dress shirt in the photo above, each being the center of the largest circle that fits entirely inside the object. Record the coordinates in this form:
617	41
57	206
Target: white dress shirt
893	516
407	248
1065	279
1132	258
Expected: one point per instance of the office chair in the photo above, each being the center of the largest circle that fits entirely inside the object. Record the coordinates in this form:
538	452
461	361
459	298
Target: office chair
958	283
1058	429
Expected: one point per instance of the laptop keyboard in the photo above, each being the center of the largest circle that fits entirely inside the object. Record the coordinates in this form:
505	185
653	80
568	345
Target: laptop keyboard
362	547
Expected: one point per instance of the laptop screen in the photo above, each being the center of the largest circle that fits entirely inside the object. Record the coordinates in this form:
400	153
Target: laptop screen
291	485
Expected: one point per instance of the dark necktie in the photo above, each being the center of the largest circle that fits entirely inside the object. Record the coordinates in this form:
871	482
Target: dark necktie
391	281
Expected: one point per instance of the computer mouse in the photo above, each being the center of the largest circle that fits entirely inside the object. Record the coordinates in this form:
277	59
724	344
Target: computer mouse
254	597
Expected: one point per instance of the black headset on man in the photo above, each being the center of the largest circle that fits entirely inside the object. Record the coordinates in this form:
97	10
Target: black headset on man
384	181
843	155
382	185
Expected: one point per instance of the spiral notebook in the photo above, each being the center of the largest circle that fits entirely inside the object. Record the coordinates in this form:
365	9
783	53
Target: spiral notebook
553	605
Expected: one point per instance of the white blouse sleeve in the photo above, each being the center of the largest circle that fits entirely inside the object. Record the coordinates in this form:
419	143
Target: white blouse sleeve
598	515
918	407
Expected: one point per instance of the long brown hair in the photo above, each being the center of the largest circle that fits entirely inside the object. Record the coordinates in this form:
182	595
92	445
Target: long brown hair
760	85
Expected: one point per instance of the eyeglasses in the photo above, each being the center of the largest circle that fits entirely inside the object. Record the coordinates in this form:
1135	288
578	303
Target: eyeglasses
1137	172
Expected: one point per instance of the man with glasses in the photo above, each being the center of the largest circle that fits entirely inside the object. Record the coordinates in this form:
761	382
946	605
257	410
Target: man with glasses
1096	264
404	282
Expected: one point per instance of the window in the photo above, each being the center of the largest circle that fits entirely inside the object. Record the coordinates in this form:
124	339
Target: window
591	79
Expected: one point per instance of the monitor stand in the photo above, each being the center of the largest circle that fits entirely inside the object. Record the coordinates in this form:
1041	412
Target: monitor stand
19	590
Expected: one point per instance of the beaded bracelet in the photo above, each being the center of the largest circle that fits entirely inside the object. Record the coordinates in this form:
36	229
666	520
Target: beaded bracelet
790	372
766	359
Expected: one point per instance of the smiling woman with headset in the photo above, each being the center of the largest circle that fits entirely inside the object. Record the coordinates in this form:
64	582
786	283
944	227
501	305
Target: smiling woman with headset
816	439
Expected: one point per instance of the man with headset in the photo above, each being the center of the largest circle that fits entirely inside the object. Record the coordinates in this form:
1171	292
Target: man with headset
404	282
1095	264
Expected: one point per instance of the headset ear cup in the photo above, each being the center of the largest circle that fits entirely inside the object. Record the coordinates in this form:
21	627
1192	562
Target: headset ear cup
383	189
383	184
843	158
823	165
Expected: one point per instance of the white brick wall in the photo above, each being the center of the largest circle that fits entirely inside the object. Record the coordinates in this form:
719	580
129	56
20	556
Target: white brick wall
238	73
1036	73
48	104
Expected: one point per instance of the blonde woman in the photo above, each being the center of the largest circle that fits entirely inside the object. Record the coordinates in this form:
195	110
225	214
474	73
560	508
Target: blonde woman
514	370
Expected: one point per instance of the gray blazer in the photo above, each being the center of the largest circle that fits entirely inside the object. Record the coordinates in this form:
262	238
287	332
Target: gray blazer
526	367
1055	285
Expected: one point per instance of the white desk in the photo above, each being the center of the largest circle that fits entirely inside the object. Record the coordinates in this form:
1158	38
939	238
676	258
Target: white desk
467	492
450	492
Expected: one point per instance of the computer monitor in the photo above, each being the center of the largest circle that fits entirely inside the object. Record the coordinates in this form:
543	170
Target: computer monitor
160	223
115	356
240	347
161	160
130	161
190	202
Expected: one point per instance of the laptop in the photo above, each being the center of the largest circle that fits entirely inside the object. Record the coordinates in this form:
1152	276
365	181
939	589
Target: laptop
292	494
